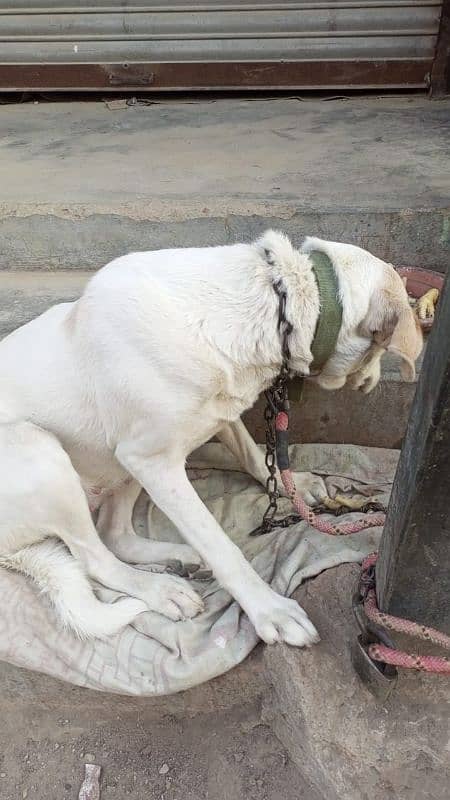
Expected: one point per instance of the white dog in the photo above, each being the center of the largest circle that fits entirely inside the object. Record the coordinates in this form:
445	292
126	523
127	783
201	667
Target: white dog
111	393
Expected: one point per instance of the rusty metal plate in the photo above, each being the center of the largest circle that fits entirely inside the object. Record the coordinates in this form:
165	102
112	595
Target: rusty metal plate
196	76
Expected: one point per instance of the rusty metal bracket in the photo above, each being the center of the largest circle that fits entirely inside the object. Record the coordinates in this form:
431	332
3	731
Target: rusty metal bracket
130	75
380	679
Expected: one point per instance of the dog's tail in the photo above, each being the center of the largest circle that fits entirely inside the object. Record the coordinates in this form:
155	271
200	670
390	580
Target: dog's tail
62	579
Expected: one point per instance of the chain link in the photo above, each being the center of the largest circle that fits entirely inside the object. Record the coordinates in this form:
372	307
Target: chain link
277	400
271	462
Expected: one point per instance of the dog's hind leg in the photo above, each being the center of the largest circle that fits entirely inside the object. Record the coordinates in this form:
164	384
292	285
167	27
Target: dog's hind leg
62	579
40	497
29	457
236	437
166	594
115	526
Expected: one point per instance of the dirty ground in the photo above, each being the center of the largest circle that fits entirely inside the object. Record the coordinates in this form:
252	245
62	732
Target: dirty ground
228	755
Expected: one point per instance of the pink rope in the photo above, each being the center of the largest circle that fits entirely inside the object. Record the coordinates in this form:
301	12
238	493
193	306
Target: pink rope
439	665
306	512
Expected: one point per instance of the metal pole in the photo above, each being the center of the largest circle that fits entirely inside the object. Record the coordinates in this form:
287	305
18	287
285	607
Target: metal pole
413	569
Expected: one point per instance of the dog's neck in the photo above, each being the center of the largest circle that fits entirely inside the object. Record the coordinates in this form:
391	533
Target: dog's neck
294	293
329	320
301	304
253	341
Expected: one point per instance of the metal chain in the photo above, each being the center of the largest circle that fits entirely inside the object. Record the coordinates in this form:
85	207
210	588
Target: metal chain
271	482
277	400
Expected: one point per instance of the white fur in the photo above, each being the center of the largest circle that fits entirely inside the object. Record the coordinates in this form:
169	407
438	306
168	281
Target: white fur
110	394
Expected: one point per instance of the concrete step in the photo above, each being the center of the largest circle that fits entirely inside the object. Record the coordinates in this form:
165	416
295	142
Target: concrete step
347	743
25	295
82	183
378	419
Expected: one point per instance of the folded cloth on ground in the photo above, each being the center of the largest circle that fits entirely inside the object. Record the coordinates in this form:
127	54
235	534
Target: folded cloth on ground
158	656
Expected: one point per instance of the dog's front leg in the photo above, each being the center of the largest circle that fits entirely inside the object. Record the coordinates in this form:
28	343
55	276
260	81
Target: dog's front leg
275	618
368	373
252	459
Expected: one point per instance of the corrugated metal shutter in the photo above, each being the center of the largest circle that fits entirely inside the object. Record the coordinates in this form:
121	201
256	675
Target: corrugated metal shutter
183	45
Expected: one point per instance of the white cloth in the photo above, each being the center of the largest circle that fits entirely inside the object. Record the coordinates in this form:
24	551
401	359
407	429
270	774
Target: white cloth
158	656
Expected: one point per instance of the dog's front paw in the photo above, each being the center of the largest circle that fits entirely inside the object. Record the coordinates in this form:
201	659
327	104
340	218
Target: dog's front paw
283	620
366	378
311	487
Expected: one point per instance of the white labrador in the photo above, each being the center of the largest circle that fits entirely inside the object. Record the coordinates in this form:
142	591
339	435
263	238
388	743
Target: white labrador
111	393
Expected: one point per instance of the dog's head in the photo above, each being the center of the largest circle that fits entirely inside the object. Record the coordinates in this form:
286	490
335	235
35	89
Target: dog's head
377	317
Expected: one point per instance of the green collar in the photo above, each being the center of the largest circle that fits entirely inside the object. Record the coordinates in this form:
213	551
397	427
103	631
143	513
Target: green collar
330	316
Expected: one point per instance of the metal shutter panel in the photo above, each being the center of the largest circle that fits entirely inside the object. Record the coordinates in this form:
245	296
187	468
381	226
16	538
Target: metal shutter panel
183	45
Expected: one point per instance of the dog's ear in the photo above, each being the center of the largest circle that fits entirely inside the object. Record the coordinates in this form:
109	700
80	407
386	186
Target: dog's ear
405	340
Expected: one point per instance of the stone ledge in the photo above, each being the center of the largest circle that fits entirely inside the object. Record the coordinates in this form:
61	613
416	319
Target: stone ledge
347	745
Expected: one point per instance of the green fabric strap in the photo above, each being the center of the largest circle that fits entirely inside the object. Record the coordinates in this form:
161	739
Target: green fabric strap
330	317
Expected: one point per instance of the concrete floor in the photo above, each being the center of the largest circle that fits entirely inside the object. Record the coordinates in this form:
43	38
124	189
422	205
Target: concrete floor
81	183
224	755
227	150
